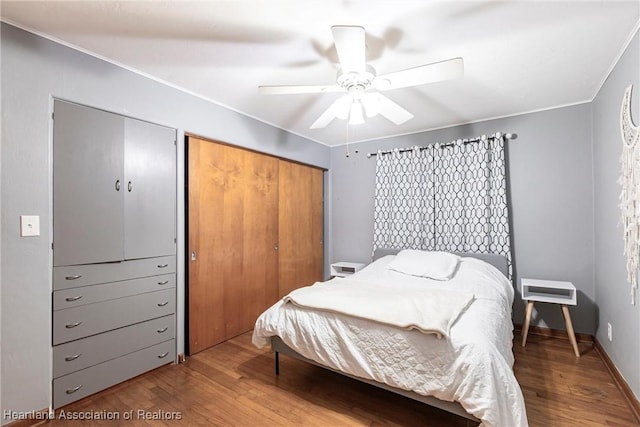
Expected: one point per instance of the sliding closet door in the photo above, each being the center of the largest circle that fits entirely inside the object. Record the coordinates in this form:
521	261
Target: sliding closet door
233	205
300	219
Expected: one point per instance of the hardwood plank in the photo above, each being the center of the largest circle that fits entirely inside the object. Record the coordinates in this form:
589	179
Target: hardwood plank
561	389
620	382
234	383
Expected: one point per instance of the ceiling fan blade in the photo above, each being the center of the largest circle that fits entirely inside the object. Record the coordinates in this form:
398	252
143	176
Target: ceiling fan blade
292	89
376	103
350	46
339	108
423	74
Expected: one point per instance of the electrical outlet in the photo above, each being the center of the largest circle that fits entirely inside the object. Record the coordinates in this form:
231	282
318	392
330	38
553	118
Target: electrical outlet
609	332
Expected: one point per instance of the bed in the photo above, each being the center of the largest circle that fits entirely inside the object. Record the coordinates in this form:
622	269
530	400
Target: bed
465	368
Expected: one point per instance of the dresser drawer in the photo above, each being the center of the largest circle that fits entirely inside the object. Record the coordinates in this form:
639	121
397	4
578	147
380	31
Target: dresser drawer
90	319
92	274
86	352
76	297
77	385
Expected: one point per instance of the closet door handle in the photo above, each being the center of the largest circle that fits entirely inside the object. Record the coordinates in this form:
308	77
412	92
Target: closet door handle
74	357
77	276
163	355
71	299
117	185
129	187
163	282
72	325
163	330
163	265
73	390
162	304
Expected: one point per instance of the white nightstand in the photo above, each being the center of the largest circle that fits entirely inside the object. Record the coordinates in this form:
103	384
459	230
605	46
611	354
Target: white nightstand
344	269
551	291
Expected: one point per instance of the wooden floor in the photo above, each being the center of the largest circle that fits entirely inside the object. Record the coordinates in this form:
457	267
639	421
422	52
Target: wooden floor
234	384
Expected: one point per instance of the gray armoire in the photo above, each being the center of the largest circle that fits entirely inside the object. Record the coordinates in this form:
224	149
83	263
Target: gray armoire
114	249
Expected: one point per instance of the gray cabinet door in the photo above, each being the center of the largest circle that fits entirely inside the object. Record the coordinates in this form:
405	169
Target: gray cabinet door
88	185
150	187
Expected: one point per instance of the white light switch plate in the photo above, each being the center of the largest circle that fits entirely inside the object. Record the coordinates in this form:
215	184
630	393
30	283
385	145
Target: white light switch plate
29	225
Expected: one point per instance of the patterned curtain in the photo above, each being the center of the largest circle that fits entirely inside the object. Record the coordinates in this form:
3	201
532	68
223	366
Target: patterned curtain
404	190
463	205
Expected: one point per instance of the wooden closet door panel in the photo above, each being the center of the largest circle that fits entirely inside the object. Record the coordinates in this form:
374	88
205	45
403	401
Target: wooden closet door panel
232	229
253	271
206	197
300	222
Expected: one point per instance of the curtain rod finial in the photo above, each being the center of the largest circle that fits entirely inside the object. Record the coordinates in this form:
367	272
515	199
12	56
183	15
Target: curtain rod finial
511	135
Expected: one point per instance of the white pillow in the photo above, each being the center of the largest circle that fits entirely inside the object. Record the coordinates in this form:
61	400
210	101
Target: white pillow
432	265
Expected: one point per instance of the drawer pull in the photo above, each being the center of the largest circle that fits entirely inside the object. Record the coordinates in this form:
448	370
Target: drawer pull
71	358
163	355
71	299
77	276
163	330
163	283
162	304
72	325
163	265
73	390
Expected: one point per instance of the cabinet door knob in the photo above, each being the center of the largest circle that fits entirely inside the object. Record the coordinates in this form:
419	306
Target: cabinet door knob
73	390
117	185
72	325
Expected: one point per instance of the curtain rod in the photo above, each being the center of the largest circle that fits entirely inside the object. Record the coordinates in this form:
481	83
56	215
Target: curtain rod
449	144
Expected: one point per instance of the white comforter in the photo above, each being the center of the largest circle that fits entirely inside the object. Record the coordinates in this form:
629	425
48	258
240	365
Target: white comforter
431	311
473	366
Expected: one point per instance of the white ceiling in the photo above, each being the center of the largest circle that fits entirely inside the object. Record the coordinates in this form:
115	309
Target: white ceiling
519	56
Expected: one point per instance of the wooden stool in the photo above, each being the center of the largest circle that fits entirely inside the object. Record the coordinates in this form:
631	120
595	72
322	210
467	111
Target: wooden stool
554	292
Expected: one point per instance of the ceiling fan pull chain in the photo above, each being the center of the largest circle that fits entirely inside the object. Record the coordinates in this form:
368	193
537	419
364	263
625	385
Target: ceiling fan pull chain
347	154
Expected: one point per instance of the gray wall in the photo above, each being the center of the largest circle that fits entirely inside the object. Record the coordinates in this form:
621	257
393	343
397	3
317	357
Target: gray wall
34	70
563	187
550	174
612	289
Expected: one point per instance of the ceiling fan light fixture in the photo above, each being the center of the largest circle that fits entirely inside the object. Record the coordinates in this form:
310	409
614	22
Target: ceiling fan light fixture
351	79
371	104
356	116
355	79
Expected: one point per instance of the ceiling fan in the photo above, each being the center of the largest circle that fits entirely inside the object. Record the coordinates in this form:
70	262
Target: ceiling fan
363	86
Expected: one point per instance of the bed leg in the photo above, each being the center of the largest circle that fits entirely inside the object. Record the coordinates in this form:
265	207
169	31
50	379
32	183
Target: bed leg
277	363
